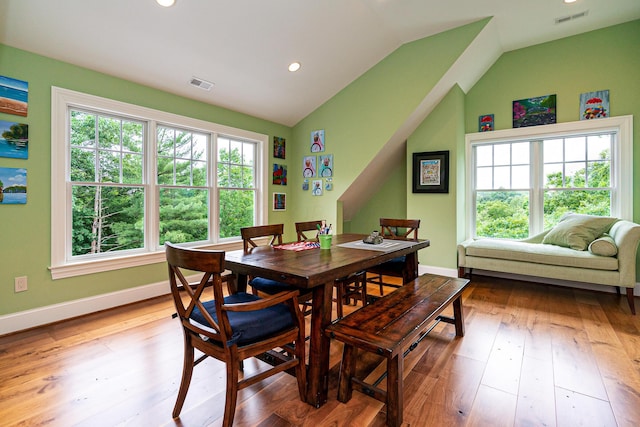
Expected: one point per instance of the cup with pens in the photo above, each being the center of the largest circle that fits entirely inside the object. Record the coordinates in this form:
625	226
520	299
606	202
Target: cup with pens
324	235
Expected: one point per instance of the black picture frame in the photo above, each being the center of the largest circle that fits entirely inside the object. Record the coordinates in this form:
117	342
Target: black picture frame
431	172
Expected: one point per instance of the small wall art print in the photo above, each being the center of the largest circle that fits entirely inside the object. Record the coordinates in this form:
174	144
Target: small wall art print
431	172
485	123
317	141
14	96
14	140
279	201
13	186
594	105
316	187
326	165
309	166
279	147
536	111
279	174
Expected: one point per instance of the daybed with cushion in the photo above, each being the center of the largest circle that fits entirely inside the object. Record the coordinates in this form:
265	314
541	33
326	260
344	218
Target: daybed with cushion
580	248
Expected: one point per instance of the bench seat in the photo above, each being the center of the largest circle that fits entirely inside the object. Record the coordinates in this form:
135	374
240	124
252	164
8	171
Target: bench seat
388	327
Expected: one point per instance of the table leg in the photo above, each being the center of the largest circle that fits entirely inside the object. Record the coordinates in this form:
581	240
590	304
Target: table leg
411	267
318	373
240	284
458	315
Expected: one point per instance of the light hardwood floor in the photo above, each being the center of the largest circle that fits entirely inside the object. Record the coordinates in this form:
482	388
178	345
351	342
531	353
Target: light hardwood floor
533	355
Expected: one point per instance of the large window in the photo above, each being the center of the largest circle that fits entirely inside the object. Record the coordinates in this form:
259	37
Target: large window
522	181
126	179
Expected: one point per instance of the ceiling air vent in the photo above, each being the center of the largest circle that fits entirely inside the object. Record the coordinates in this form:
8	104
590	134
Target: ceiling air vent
200	83
564	19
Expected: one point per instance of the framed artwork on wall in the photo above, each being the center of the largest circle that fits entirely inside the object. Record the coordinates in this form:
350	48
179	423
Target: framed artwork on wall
317	141
279	147
14	96
279	201
431	172
14	140
540	110
594	105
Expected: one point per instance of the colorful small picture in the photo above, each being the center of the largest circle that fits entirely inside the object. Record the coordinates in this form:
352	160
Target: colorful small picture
14	96
309	166
305	185
317	141
594	105
485	123
326	165
14	140
316	186
13	186
534	111
328	184
279	147
279	174
279	201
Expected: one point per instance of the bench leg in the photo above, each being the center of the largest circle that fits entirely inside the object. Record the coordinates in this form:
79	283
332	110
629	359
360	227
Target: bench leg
347	370
458	315
395	385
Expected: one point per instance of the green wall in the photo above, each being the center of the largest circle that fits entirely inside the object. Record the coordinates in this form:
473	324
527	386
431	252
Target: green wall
360	119
26	229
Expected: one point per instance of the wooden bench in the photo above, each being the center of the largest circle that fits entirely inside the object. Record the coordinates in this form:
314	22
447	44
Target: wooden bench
388	327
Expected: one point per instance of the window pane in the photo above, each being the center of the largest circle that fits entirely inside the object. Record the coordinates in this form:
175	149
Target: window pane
199	173
183	172
83	129
574	174
83	165
520	153
165	171
107	219
502	177
199	147
559	202
520	177
235	176
132	169
599	147
109	170
236	211
575	149
502	154
553	177
247	154
165	139
484	155
223	175
598	174
502	214
183	215
109	133
132	136
553	149
484	178
183	144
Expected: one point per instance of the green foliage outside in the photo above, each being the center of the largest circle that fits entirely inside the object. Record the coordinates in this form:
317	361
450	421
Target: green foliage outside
505	214
108	200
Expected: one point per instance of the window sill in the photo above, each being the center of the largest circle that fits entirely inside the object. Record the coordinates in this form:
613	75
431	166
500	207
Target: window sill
111	264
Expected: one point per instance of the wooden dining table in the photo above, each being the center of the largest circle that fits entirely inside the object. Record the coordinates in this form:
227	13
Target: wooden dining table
317	269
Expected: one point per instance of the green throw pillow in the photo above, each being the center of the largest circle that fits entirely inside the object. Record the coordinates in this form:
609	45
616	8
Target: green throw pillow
603	246
576	231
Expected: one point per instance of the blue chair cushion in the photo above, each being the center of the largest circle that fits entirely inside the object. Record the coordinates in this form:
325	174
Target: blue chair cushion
270	287
252	326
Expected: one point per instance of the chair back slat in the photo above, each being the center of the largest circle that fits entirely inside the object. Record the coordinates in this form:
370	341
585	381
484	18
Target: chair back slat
275	231
210	264
399	229
301	227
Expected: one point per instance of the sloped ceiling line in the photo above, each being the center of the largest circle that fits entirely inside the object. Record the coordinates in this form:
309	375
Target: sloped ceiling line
477	58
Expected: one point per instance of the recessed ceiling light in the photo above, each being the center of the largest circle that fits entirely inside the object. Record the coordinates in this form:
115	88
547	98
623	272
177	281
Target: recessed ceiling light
166	3
294	66
570	1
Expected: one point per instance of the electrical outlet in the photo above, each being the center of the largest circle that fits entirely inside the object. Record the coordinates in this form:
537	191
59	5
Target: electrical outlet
20	283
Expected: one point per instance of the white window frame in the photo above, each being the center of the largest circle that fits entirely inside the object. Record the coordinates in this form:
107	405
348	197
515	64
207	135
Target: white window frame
621	160
62	264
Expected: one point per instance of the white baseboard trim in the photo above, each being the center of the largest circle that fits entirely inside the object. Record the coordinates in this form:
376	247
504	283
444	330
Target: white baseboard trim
54	313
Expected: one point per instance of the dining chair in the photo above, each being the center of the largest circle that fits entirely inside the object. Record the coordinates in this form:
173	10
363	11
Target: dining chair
352	287
393	229
231	328
307	226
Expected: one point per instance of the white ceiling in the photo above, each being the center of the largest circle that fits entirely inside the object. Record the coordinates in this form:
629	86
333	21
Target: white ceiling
244	46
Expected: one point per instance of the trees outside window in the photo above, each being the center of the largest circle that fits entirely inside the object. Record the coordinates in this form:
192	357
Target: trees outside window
124	182
520	184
